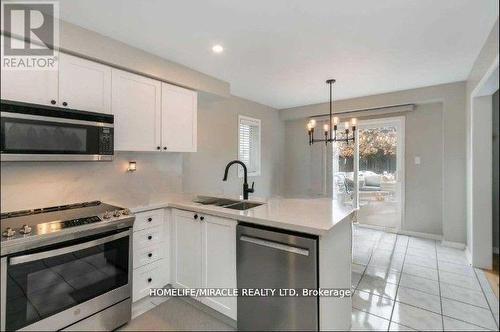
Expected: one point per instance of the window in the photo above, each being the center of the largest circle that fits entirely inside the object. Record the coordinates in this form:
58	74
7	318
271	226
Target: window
249	145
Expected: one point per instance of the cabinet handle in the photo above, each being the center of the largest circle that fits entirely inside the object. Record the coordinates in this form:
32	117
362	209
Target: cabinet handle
65	103
158	148
150	219
150	255
149	279
202	218
164	148
149	237
53	102
195	216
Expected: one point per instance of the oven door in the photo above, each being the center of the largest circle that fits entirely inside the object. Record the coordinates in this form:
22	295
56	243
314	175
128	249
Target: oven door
28	137
53	288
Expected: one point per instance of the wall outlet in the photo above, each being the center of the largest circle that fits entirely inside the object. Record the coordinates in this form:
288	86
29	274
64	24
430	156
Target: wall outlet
417	160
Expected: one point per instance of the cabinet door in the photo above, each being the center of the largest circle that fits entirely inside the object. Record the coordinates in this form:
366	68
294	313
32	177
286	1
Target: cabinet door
30	86
186	249
219	261
179	118
136	105
84	85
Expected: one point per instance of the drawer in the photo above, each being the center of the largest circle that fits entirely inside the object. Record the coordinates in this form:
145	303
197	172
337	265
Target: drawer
148	219
146	277
148	255
186	214
148	237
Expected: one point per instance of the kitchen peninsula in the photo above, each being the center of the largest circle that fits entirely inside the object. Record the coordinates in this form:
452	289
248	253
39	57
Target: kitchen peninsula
326	219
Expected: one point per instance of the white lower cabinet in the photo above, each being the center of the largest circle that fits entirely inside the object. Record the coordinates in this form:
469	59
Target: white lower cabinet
151	246
186	240
219	262
147	277
204	256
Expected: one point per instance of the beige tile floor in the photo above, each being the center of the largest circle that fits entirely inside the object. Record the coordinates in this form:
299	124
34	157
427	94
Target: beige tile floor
400	283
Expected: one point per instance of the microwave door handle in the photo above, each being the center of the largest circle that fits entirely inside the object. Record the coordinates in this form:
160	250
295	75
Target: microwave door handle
66	250
62	120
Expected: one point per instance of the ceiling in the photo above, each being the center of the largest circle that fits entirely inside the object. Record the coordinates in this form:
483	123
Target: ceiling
280	52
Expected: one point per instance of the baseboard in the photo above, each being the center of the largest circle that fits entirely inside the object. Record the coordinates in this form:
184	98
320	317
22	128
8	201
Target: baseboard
468	255
403	232
451	244
422	235
378	228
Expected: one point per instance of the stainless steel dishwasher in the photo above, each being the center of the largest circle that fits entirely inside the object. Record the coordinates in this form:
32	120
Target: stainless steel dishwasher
276	259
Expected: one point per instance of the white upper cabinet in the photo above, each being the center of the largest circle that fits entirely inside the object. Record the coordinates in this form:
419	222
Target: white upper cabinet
84	85
30	86
136	105
179	118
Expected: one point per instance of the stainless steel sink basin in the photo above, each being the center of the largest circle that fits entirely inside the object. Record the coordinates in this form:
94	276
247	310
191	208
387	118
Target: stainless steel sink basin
226	203
206	200
243	205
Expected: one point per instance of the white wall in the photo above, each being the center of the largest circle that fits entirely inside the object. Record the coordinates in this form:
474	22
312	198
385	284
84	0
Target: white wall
450	132
218	145
27	185
477	226
496	167
424	182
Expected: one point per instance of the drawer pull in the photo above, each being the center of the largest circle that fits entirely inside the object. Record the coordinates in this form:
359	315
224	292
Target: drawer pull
150	237
150	219
150	255
202	218
195	216
149	280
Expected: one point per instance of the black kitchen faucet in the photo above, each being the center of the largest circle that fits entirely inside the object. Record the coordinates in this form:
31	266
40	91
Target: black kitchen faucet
246	189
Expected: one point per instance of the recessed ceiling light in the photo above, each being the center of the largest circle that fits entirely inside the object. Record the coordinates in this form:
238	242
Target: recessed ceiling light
217	48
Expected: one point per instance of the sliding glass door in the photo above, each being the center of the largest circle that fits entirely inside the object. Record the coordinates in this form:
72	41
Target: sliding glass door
379	157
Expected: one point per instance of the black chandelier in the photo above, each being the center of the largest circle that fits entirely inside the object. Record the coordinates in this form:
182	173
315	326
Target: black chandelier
347	135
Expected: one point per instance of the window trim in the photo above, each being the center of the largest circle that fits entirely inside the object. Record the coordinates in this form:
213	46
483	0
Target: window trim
258	123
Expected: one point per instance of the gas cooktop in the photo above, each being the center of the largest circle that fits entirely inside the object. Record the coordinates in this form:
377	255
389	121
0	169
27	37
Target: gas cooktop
41	224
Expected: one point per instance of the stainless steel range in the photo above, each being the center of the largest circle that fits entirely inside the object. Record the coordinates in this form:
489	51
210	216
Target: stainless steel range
66	267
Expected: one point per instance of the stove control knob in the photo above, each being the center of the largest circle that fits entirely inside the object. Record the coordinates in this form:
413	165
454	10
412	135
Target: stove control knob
9	232
117	213
126	212
106	215
25	229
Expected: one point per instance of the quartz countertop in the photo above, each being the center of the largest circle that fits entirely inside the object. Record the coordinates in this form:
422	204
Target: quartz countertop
315	216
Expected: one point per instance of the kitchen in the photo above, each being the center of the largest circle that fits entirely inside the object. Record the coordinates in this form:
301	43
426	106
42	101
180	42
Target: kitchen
126	171
175	241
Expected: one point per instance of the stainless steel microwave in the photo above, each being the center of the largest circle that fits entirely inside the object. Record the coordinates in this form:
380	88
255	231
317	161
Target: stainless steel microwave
32	132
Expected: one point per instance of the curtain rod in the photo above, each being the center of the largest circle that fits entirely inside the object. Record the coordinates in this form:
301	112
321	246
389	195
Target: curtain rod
362	110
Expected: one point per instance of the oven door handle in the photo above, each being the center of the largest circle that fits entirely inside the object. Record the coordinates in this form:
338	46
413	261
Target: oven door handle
66	250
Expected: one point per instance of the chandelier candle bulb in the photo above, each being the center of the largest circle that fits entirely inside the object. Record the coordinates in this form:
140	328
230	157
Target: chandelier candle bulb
313	123
354	121
346	125
326	127
335	121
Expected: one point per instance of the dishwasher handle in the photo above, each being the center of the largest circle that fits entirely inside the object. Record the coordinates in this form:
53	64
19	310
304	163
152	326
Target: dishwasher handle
274	245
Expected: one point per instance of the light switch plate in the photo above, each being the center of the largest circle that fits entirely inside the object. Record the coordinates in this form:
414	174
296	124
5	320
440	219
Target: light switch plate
417	160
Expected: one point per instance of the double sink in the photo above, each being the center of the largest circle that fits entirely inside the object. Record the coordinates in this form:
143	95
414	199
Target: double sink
226	203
